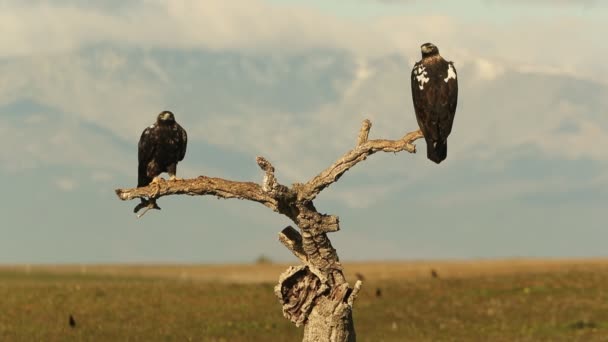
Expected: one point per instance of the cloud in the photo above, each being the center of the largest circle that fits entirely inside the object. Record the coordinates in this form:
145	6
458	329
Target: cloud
503	190
73	25
173	24
101	176
82	79
487	70
364	195
95	88
66	184
51	138
294	88
249	114
552	3
567	46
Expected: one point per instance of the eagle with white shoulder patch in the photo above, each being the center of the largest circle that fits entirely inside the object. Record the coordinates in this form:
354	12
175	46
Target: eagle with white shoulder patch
435	96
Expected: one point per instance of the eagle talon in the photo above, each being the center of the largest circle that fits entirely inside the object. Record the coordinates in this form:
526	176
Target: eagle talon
173	178
139	207
156	180
148	204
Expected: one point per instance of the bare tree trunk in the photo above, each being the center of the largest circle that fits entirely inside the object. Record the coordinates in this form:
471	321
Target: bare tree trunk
330	320
314	294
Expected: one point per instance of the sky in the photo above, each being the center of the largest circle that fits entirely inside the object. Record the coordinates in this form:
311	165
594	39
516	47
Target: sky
292	80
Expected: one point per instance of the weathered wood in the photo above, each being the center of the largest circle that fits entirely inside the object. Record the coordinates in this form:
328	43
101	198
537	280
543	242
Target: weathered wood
298	289
331	319
314	294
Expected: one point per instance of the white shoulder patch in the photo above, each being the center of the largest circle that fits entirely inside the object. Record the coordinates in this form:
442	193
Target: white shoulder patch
147	130
420	72
451	73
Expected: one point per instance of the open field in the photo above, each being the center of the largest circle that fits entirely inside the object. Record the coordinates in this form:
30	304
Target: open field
510	300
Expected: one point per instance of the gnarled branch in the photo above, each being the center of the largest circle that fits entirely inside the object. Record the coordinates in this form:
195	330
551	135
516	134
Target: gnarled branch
364	149
271	192
201	186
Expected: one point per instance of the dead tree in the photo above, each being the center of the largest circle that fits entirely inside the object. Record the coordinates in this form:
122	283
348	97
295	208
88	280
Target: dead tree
314	294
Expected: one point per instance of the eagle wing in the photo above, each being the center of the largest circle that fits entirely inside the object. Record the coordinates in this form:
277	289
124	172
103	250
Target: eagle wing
182	142
435	96
145	153
449	94
418	97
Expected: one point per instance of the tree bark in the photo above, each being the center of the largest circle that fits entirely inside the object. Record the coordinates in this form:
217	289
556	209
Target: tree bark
314	294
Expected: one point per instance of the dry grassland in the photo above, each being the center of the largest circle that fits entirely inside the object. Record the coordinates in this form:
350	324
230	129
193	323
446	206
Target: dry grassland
504	300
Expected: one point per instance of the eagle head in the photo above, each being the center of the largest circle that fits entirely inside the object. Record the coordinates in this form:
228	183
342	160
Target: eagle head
428	50
165	117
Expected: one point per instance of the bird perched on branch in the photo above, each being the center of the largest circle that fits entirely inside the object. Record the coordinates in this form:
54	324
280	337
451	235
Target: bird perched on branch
161	147
72	321
435	95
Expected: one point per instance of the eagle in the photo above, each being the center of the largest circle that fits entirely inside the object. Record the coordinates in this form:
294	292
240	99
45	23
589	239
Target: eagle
435	95
161	146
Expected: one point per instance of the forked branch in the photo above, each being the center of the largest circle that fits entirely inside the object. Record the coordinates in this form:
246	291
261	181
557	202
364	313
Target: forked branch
364	149
201	186
316	293
271	193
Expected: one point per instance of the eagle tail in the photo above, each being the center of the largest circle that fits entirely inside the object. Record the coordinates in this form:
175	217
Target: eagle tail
142	180
437	151
142	176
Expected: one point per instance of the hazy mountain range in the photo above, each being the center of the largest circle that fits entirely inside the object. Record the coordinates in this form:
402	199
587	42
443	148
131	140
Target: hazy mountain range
526	173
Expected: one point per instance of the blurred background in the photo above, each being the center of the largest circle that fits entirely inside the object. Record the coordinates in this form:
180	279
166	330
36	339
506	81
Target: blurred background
527	167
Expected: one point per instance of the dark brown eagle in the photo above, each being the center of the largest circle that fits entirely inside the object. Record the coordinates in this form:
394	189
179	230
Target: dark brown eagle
435	95
161	147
